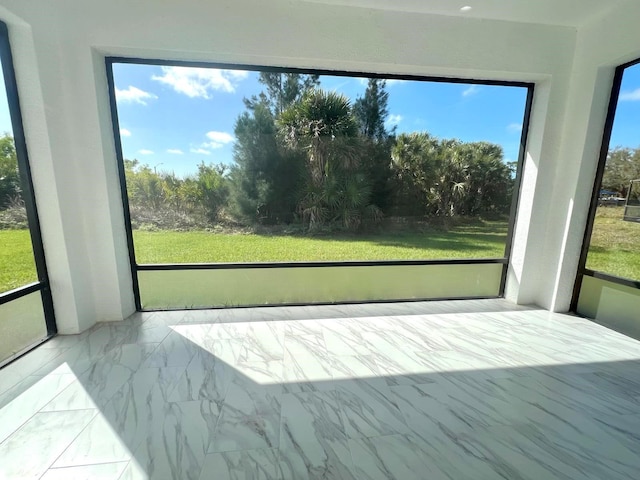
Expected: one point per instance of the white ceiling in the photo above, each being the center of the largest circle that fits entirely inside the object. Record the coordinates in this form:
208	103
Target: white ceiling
572	13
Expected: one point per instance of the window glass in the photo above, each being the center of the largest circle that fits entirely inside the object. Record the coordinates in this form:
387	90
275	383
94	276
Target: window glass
614	246
17	265
230	165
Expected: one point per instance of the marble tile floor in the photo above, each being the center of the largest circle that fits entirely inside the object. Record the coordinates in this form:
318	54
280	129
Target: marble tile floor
437	390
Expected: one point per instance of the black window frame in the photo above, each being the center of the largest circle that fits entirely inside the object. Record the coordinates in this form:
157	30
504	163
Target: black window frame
136	267
595	195
42	285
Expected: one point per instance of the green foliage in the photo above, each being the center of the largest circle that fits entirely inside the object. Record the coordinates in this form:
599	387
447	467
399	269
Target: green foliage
623	165
163	200
212	188
371	110
338	191
10	190
284	89
266	176
451	177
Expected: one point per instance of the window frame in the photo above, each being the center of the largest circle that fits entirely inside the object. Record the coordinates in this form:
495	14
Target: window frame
136	267
595	194
42	284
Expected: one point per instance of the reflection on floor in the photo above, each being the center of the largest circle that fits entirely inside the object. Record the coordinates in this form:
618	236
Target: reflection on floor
441	390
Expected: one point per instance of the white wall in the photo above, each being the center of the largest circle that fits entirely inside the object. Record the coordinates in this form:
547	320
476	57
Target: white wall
59	49
601	46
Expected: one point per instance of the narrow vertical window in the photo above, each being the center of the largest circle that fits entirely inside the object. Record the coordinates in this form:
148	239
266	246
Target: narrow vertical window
26	309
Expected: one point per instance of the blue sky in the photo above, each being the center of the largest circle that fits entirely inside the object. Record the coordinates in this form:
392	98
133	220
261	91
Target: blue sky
172	118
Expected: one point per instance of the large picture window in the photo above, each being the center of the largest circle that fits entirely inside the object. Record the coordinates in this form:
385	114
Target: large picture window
236	167
608	284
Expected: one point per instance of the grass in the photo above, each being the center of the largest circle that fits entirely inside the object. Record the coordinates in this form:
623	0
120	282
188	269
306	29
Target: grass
17	267
484	241
615	244
615	247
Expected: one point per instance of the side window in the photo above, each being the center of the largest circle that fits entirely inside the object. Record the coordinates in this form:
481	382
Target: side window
26	309
608	283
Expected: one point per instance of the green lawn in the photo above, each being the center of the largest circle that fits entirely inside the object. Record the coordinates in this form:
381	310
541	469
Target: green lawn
470	241
615	244
615	247
485	241
17	267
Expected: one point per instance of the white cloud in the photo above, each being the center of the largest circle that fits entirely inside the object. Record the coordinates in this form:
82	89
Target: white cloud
472	90
200	82
632	96
175	151
134	95
124	132
144	151
514	128
393	120
201	151
218	139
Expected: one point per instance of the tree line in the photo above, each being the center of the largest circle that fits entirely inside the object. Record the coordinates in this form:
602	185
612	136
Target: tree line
623	166
310	156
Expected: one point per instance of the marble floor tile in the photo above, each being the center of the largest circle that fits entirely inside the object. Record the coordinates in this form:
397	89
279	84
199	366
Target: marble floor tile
262	464
30	451
313	442
469	390
74	397
318	461
350	367
97	443
249	418
307	364
208	374
26	366
344	339
175	446
311	417
30	401
264	342
141	403
369	408
105	471
520	453
262	373
176	350
392	457
18	389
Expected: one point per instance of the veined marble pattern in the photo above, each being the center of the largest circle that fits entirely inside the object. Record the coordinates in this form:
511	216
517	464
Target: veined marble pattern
477	389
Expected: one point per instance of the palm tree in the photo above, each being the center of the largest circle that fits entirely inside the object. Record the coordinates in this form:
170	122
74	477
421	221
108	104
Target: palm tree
323	126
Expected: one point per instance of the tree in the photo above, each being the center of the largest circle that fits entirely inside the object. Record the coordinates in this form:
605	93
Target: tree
371	110
414	158
623	165
9	177
284	89
490	183
450	177
212	188
265	177
322	125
